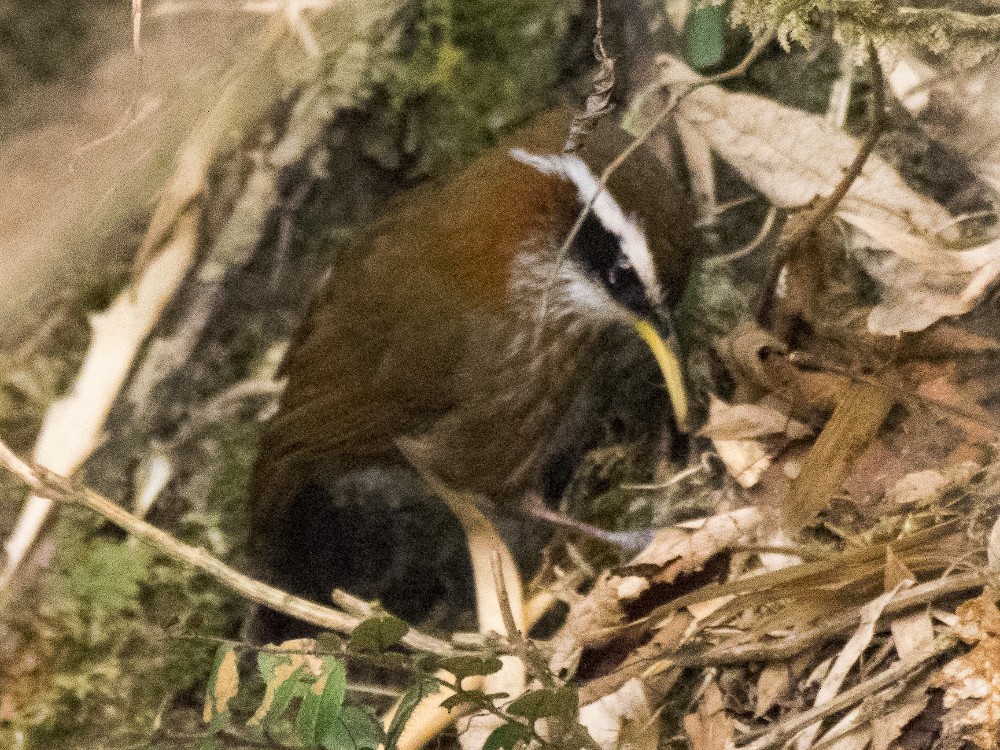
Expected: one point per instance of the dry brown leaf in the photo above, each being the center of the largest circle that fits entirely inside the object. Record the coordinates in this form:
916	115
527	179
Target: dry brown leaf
746	421
685	548
993	549
793	157
632	587
745	460
942	341
917	487
669	634
846	659
775	680
709	728
886	727
896	571
913	633
849	432
944	386
960	107
972	681
700	165
742	349
917	294
622	720
846	734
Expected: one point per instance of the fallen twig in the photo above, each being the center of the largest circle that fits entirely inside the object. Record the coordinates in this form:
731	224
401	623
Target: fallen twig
44	483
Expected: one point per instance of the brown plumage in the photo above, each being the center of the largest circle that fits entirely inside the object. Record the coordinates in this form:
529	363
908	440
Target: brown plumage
429	327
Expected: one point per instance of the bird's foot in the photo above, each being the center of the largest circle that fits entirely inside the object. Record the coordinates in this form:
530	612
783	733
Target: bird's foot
631	542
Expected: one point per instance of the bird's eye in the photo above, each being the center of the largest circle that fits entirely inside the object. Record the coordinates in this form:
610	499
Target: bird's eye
620	271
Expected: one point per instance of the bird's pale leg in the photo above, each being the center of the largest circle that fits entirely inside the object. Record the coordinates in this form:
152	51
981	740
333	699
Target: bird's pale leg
628	541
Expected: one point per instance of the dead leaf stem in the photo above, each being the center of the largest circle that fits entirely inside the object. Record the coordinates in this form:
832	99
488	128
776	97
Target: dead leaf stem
598	101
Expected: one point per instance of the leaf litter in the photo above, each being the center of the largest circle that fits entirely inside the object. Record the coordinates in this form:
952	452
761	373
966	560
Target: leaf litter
856	442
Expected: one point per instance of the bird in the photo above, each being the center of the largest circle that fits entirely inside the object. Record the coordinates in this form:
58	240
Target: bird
467	320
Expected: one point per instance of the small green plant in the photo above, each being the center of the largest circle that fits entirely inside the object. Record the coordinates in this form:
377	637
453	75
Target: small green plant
306	684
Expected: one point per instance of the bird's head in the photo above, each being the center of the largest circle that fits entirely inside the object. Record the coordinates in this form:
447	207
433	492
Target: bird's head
607	273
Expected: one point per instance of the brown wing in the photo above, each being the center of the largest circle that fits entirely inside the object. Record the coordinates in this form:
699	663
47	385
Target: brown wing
375	362
380	351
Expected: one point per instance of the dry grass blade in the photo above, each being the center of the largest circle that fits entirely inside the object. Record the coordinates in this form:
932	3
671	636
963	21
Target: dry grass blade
900	671
741	651
922	550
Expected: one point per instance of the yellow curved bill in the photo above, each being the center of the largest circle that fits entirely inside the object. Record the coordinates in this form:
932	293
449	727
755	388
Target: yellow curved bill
670	366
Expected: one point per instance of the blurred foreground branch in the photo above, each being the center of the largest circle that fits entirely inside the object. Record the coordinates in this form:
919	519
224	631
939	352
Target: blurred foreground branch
44	483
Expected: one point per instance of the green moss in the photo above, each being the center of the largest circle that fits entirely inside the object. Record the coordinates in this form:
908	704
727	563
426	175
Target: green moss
119	631
469	68
966	38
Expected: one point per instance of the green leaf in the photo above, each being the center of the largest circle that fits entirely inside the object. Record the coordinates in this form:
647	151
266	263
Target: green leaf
329	643
269	661
376	634
460	699
332	700
467	666
405	707
705	30
305	722
477	697
507	736
353	729
390	660
223	684
538	704
283	679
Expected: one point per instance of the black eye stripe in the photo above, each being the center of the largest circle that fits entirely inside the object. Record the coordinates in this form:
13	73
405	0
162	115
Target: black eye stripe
599	252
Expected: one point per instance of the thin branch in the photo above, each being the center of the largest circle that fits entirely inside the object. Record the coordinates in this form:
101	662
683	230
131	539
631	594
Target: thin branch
826	206
521	647
47	484
795	232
